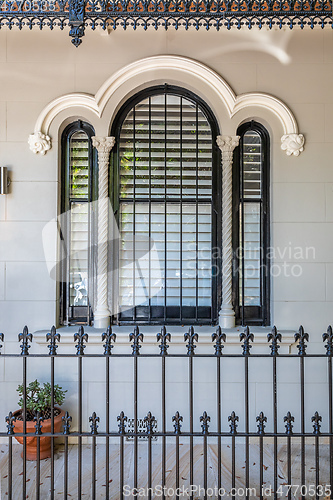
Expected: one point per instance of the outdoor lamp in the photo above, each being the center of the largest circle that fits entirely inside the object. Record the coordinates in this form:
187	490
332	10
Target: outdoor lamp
4	180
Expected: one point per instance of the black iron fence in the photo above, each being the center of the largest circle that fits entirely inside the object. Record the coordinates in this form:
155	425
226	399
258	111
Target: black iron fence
144	431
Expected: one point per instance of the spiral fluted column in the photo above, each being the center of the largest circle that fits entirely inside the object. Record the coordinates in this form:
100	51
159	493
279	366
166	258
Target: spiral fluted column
227	145
102	312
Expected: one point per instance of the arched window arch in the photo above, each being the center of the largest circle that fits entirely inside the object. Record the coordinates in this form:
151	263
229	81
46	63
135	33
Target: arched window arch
76	226
165	189
251	235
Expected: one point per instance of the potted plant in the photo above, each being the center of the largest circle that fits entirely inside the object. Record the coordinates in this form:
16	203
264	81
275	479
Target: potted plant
38	407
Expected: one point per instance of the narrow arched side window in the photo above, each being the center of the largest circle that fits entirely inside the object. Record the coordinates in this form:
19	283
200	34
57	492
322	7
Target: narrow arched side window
167	200
251	235
76	223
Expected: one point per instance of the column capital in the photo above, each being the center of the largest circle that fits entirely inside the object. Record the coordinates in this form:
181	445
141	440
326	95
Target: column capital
103	144
227	143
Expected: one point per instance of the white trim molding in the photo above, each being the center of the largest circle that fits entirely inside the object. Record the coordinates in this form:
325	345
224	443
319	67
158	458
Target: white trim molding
162	65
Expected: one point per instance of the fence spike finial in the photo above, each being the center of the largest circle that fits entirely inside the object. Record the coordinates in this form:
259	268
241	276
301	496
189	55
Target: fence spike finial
164	337
109	337
233	419
219	337
121	419
191	337
204	419
261	419
53	337
80	337
38	426
150	421
316	426
301	337
275	337
10	419
177	418
66	423
136	336
25	337
329	337
247	337
94	419
289	419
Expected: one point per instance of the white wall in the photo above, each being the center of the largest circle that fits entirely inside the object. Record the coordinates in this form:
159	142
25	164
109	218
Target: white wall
38	66
295	66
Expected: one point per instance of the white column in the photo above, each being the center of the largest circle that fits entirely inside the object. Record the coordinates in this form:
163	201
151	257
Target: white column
102	313
227	145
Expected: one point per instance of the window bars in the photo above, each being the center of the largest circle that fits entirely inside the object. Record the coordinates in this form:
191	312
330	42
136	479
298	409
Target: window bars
251	229
76	226
168	210
176	430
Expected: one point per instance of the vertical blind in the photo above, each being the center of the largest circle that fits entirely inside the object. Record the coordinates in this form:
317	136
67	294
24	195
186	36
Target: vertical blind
250	220
165	219
251	285
79	196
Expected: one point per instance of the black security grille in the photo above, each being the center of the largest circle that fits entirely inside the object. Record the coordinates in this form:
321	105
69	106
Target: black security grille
168	207
75	224
251	226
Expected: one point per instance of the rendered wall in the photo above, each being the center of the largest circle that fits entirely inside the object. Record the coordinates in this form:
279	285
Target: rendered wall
295	66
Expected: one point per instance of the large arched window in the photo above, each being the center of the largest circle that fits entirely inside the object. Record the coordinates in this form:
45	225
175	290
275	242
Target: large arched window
75	224
165	187
251	272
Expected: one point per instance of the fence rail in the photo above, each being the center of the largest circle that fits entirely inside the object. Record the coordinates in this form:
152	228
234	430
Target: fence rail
168	435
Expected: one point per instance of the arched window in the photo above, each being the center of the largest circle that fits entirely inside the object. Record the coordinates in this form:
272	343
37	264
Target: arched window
75	224
166	196
251	272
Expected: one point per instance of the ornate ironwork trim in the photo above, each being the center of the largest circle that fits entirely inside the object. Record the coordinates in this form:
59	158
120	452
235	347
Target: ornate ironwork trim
198	14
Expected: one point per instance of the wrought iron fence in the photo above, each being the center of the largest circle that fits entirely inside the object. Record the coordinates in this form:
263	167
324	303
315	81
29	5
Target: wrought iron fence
146	426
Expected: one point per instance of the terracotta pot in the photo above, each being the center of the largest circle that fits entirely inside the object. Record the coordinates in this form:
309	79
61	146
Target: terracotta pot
45	442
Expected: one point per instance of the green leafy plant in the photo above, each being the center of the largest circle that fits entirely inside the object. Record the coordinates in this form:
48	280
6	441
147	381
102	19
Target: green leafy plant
38	399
